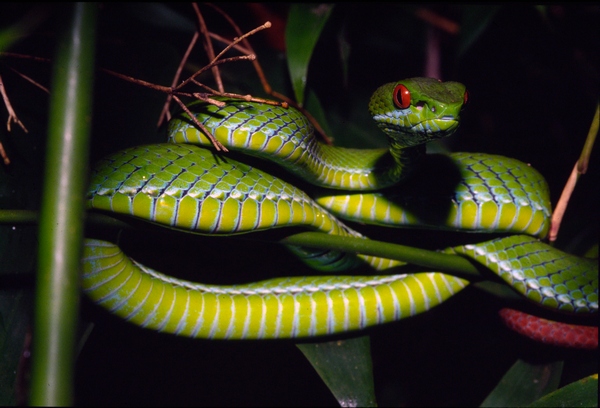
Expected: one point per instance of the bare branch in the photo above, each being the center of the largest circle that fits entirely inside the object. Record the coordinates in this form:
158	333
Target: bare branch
165	113
262	77
212	139
243	37
23	56
225	41
209	66
161	88
579	169
4	156
12	116
31	81
248	46
210	52
441	22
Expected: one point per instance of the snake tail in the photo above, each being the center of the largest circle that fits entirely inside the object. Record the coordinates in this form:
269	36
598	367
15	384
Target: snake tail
272	309
550	332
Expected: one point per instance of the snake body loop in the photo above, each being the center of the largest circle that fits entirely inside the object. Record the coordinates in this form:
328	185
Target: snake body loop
543	274
320	305
188	187
277	308
463	191
285	136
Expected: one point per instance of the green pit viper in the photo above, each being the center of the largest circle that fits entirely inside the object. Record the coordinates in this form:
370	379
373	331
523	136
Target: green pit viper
184	185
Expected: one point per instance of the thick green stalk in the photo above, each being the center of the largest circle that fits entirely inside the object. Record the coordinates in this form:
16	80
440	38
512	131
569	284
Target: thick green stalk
454	264
61	216
429	259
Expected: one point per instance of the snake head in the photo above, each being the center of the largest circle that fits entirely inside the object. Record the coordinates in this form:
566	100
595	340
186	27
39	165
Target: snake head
417	110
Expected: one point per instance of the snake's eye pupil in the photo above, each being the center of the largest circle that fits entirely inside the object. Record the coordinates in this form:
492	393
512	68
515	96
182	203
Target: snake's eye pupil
401	96
466	98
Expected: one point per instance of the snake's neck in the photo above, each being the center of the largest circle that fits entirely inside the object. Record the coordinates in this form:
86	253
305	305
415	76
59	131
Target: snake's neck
357	169
406	159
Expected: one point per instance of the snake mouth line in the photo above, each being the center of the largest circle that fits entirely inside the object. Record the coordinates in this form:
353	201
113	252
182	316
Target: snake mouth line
437	125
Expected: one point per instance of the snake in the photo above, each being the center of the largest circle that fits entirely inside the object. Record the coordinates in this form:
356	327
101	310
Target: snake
183	184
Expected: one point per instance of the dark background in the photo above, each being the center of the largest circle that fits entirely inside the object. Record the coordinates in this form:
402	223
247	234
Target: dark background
533	76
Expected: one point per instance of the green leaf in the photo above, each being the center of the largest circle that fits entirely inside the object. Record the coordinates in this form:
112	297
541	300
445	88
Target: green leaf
304	26
314	106
346	367
582	393
20	29
524	383
475	20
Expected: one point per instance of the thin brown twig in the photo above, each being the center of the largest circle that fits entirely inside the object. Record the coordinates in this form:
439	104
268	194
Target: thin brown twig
242	38
207	43
263	79
225	41
165	114
4	156
23	56
441	22
213	140
141	82
31	81
12	116
248	46
206	98
212	65
209	66
249	51
580	168
171	90
247	98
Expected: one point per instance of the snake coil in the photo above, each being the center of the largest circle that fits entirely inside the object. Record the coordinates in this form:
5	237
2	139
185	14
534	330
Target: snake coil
183	186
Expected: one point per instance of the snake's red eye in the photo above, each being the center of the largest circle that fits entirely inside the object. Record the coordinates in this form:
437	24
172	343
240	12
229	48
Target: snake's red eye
466	98
401	96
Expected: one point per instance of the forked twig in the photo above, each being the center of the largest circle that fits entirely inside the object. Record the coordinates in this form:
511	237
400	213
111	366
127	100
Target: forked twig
12	116
168	89
262	77
165	114
208	48
580	168
213	140
213	64
248	48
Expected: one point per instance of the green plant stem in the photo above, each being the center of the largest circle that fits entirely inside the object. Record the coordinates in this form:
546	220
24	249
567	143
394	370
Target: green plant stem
18	217
429	259
422	257
61	216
